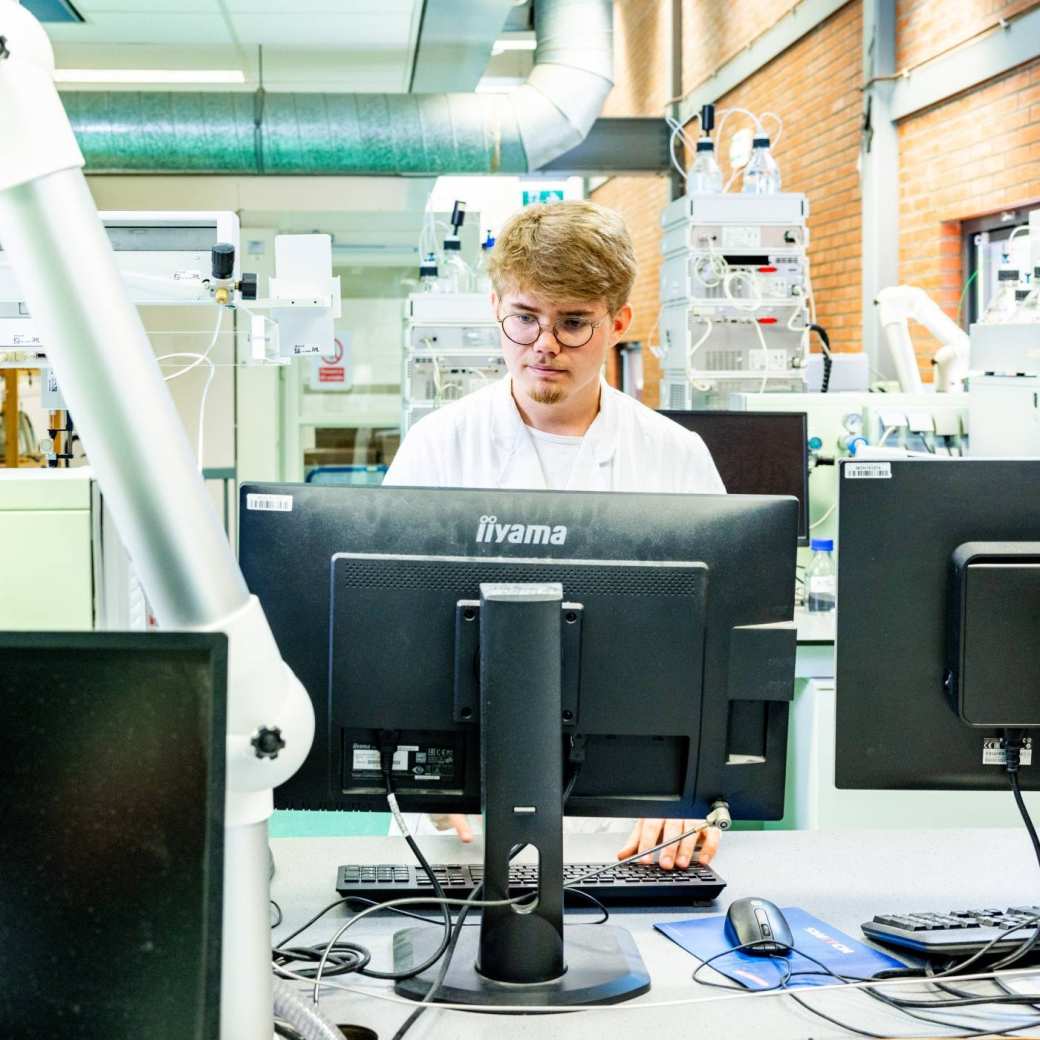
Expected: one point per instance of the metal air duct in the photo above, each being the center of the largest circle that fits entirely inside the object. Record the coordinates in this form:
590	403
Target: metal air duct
342	134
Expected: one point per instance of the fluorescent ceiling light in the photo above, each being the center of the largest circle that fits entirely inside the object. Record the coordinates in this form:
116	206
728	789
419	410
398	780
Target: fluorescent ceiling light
149	76
519	42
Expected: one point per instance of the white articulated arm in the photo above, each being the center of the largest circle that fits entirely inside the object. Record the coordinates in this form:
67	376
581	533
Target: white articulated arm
896	307
138	448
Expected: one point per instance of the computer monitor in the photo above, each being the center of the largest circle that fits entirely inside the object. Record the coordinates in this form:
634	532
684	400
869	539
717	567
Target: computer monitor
674	685
112	817
487	640
757	453
938	621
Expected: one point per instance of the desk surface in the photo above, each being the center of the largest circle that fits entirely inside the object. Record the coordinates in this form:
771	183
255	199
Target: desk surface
843	878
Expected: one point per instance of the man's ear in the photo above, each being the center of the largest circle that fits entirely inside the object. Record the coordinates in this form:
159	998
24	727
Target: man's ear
621	322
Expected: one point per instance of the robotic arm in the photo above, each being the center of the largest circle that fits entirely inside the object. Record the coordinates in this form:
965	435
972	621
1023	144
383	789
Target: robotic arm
896	306
64	264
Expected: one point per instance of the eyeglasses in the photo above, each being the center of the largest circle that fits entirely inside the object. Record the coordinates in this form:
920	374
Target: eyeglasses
524	329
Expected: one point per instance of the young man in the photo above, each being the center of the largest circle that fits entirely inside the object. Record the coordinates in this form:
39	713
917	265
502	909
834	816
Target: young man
562	275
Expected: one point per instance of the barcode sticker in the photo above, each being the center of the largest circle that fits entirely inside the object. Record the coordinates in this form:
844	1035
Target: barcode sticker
868	470
270	503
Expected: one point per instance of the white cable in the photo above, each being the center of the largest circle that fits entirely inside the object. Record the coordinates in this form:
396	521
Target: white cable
1021	229
710	998
826	516
886	434
697	346
774	139
765	355
199	358
751	303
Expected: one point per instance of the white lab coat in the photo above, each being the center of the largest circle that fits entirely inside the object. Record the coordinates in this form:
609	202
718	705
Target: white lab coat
481	442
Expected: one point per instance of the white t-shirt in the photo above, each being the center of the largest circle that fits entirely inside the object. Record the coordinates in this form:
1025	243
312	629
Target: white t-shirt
556	455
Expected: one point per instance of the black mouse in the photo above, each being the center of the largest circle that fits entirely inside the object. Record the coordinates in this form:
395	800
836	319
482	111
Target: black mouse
761	923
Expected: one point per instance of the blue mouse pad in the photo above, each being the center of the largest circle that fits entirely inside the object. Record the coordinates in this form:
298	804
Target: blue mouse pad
705	937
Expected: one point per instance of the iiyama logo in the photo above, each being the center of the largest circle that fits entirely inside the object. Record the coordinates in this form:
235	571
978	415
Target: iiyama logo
491	532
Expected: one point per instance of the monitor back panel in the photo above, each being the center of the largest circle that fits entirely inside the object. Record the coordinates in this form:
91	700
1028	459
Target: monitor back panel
900	522
287	553
112	821
757	453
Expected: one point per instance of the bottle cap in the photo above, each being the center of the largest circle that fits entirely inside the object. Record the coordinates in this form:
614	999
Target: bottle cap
705	144
760	142
452	244
1007	274
822	544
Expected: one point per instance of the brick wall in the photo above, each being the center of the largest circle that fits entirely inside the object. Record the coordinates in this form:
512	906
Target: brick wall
715	30
971	156
974	155
925	28
814	87
642	75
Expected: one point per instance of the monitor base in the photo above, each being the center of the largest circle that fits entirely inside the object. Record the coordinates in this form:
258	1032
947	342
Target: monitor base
603	967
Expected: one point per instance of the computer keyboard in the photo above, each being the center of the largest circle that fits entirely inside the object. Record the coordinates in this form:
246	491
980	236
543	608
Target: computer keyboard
954	934
627	883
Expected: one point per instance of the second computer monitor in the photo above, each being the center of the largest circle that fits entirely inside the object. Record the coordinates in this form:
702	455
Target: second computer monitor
906	528
757	453
676	670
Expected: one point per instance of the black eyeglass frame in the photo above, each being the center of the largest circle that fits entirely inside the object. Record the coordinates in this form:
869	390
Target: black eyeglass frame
593	325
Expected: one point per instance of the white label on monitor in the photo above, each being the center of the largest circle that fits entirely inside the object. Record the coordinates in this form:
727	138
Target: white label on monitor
995	754
367	759
270	503
868	470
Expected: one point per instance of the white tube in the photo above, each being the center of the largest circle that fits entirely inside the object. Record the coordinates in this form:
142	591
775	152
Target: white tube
897	305
306	1018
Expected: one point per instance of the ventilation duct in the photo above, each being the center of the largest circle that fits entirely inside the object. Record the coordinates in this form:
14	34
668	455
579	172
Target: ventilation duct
337	134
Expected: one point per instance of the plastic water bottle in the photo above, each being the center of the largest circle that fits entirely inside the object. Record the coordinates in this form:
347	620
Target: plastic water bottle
705	177
428	280
1002	307
761	175
457	276
821	581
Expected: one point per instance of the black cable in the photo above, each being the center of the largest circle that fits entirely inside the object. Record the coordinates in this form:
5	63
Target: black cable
387	754
578	758
828	361
275	906
285	1030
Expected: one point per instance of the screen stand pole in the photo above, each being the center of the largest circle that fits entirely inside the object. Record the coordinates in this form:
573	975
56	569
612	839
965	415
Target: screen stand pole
520	956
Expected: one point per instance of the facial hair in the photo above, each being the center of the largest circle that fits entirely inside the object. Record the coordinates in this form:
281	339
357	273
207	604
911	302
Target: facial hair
547	394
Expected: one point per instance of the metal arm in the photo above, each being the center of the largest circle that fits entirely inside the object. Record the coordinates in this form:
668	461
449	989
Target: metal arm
64	263
896	306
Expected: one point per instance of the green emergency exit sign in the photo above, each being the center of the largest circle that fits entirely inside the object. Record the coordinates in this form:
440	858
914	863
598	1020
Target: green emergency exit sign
545	195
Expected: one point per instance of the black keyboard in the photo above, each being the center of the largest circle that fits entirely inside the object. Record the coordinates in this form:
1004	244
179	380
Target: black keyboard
956	933
627	883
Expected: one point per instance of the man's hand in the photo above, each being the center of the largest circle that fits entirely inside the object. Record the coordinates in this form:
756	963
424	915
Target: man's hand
648	833
454	821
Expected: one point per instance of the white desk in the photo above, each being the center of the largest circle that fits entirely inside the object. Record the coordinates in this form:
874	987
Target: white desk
843	878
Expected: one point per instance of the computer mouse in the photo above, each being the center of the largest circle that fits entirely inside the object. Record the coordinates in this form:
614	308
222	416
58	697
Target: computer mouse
760	922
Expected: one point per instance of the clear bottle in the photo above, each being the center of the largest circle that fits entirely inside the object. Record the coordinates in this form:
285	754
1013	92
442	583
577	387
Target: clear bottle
428	280
821	581
456	275
1002	307
761	175
705	177
481	277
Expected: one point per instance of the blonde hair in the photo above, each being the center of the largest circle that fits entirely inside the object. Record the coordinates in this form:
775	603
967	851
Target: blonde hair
574	250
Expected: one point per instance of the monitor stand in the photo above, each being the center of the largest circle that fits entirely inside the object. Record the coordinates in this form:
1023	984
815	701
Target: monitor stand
522	957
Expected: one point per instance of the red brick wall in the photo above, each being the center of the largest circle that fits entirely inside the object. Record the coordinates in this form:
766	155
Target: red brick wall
814	87
715	30
642	76
925	28
974	155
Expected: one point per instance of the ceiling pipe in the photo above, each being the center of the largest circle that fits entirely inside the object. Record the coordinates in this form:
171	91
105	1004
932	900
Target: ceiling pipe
364	134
